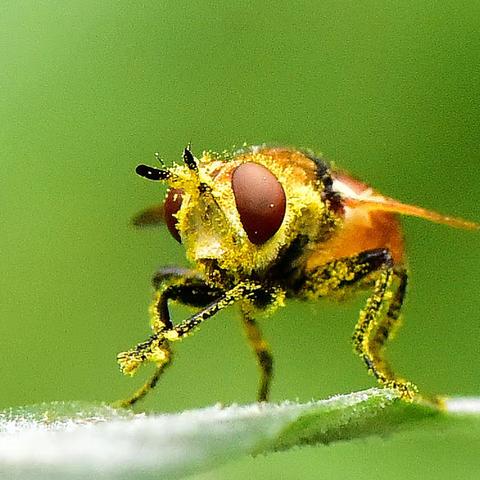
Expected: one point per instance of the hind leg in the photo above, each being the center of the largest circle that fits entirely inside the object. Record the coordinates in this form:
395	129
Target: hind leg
373	326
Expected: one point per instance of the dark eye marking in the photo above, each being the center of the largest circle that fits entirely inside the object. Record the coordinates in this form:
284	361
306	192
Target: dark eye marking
172	205
260	201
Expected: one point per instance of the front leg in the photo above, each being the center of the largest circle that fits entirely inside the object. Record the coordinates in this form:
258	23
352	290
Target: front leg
178	284
171	283
156	349
372	328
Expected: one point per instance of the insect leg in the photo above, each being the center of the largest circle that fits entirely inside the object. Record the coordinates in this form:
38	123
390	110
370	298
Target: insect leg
189	289
178	284
389	322
241	291
350	271
152	381
262	352
153	348
156	349
368	325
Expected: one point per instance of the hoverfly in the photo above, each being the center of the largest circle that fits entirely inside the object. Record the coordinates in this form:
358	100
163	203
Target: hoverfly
267	224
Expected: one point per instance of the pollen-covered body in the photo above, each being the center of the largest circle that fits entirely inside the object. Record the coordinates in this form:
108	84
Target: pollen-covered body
266	224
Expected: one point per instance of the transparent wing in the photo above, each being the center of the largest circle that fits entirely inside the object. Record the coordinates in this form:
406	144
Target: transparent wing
385	204
150	217
356	194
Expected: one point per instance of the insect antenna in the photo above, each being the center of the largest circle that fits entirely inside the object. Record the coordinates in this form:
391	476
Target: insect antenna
189	159
153	173
191	163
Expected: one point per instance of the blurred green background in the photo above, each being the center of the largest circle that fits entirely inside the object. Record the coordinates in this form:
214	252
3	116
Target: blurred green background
387	90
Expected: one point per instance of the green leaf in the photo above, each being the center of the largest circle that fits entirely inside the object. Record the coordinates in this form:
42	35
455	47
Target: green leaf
79	440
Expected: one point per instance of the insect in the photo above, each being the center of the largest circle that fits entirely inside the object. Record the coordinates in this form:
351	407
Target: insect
266	224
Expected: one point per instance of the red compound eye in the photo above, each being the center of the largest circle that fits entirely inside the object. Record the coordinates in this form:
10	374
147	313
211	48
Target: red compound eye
172	205
260	200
